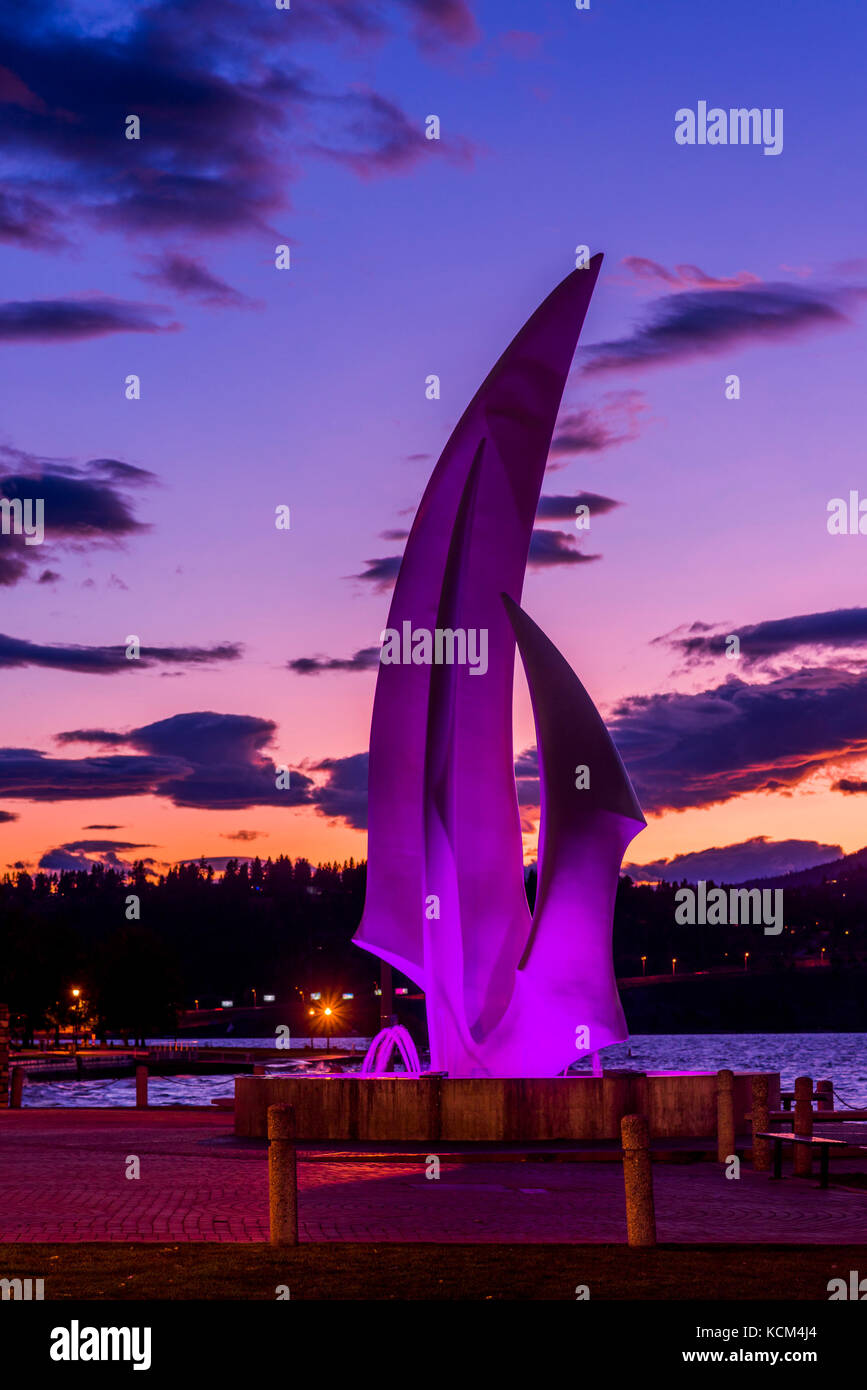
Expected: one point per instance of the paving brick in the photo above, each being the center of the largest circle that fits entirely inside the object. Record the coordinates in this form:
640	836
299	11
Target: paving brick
62	1178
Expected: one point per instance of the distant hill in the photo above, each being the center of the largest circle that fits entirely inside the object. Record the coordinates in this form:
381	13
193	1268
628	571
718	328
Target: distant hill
851	867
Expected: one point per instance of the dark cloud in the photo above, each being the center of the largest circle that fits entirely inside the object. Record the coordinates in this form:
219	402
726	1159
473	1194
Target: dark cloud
616	419
81	504
247	835
442	21
7	816
560	508
840	627
365	660
221	99
188	277
63	320
17	651
380	573
375	137
682	326
83	854
28	774
344	793
393	535
850	786
527	779
28	222
85	505
686	750
218	862
214	761
101	846
739	863
205	159
549	548
13	567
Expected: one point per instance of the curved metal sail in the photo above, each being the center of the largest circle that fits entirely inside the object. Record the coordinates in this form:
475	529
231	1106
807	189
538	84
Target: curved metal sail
445	892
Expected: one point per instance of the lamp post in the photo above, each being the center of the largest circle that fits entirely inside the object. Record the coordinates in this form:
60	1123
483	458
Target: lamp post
76	1010
644	965
674	965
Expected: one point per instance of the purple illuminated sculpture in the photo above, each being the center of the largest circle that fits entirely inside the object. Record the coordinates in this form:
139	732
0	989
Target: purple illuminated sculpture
507	994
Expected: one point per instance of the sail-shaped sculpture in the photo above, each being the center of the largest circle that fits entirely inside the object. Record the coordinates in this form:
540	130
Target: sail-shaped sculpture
507	994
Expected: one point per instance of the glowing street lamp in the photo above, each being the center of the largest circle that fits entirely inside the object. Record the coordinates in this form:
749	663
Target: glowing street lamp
76	994
746	960
644	965
674	965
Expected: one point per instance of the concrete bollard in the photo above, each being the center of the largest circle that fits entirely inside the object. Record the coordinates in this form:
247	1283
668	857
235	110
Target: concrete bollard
824	1095
141	1088
282	1175
725	1114
759	1108
803	1125
638	1181
4	1056
17	1088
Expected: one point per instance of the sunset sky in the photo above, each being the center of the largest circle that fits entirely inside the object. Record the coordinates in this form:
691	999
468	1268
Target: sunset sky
306	388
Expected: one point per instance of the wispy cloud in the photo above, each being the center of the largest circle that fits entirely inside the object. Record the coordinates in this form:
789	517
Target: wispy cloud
64	320
550	548
188	277
380	573
699	323
839	628
616	419
367	659
686	277
104	661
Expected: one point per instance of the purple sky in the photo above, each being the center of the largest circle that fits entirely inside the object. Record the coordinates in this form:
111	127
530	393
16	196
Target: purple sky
305	387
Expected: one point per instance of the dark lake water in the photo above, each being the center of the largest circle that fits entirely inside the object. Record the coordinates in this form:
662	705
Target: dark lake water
840	1057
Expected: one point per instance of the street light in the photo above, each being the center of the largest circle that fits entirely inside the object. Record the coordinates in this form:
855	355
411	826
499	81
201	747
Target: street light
746	960
644	965
673	965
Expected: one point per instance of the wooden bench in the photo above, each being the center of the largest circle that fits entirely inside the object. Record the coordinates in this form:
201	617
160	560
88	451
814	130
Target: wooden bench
824	1145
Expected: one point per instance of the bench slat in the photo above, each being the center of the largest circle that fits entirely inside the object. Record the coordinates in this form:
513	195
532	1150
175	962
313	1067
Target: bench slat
804	1139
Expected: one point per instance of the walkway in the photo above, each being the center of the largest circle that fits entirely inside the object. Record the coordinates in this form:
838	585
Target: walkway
63	1178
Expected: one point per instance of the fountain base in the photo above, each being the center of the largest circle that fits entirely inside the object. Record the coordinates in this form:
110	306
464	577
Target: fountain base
424	1109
